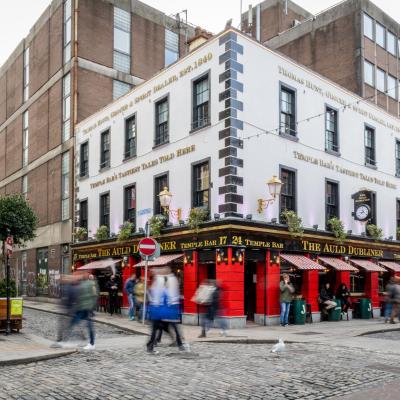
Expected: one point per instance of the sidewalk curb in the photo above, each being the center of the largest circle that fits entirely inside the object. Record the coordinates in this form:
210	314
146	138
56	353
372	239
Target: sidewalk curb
378	331
29	360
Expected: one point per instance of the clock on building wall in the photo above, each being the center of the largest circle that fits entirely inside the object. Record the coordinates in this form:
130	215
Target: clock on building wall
362	205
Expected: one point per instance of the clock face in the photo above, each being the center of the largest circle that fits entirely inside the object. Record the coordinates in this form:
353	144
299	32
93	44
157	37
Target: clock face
362	212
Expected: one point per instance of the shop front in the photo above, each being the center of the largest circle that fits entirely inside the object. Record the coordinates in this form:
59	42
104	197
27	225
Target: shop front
248	259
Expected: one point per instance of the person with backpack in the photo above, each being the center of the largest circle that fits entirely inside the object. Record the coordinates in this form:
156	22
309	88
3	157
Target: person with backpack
130	291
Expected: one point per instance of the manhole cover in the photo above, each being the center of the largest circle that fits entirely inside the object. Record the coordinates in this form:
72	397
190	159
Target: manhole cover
307	333
385	367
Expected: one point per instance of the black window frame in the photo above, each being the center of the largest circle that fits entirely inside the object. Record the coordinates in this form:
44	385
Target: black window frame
104	218
195	191
369	151
205	120
357	282
83	214
157	189
128	210
130	143
397	219
84	162
334	149
373	219
161	134
105	154
283	87
331	210
284	195
397	157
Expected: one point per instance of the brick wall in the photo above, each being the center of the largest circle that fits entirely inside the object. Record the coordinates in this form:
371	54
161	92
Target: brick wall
3	97
14	146
2	155
55	115
14	85
54	192
56	41
38	192
39	127
14	187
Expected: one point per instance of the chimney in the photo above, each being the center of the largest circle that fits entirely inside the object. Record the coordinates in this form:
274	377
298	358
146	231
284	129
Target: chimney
200	36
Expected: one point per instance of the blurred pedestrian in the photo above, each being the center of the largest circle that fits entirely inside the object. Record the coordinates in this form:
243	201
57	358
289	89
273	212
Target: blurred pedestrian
343	294
129	289
394	299
286	297
139	296
112	288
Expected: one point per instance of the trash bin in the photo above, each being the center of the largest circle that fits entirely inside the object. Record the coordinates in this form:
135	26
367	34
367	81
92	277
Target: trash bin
334	313
365	308
299	312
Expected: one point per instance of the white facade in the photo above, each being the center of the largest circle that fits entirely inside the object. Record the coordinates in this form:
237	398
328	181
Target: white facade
264	149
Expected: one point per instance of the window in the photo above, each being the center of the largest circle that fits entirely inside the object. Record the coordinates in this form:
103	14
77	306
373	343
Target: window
288	191
160	182
130	204
369	73
83	214
368	27
84	160
381	80
105	210
105	149
67	30
161	122
65	186
357	282
122	40
380	35
130	137
171	47
66	107
398	219
288	111
392	87
201	98
25	186
120	88
26	74
369	143
391	43
201	185
331	130
397	152
331	201
25	138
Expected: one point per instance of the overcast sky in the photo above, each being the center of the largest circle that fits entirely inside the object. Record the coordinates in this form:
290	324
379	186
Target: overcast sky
17	16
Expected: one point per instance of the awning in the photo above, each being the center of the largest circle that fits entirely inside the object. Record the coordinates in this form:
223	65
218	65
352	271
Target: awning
367	265
338	264
100	264
390	265
301	262
160	261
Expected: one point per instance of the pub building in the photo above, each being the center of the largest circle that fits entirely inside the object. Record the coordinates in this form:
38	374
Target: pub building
294	174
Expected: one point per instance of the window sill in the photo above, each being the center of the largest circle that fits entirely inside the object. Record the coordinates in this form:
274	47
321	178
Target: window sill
333	152
194	130
126	159
156	146
106	168
372	166
83	177
289	137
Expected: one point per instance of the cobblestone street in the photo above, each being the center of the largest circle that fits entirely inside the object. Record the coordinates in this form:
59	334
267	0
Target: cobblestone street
121	369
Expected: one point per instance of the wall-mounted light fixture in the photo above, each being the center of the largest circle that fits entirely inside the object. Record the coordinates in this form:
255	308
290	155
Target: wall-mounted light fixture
220	255
275	258
274	220
274	187
239	254
315	227
216	216
187	258
249	216
165	200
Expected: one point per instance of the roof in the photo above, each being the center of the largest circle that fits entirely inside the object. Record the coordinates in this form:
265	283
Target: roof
301	262
368	265
161	261
393	266
338	264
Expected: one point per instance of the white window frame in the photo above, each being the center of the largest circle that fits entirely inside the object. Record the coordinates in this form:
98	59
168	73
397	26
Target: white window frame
122	26
25	138
365	18
67	28
393	49
377	27
26	74
392	86
171	46
65	186
367	63
379	73
66	128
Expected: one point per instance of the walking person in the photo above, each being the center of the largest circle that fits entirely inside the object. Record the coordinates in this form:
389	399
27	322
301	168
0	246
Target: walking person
112	288
138	292
390	291
129	289
285	299
395	300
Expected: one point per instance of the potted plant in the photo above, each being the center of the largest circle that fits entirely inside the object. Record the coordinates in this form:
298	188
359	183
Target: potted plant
102	233
125	231
374	232
156	223
197	216
81	234
337	228
294	223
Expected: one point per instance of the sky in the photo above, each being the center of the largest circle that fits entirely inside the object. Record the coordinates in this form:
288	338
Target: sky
17	16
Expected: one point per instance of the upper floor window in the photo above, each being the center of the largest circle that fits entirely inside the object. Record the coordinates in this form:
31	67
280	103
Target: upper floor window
369	143
392	87
161	122
397	157
331	201
67	30
201	185
66	107
120	89
331	130
84	160
65	186
287	111
25	186
160	182
105	210
368	26
130	137
398	219
25	138
288	191
391	43
201	100
83	214
369	73
122	40
26	74
105	149
171	47
130	204
380	34
381	80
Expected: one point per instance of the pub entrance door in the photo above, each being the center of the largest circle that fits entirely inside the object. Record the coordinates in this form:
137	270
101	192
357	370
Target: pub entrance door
250	281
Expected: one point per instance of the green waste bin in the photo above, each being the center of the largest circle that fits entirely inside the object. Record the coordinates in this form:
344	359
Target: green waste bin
334	313
299	312
365	308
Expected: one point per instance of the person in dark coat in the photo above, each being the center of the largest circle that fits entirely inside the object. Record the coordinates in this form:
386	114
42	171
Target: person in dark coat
112	288
343	295
326	297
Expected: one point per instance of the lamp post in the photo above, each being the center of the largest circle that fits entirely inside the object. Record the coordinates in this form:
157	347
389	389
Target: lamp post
274	187
165	197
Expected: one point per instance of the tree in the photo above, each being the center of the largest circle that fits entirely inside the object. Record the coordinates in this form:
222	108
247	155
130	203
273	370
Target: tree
17	219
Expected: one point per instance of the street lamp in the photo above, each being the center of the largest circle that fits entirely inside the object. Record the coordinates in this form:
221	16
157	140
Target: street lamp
165	200
274	187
